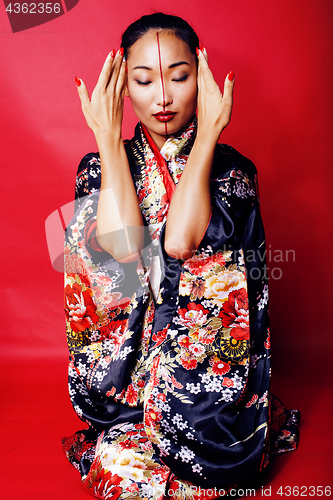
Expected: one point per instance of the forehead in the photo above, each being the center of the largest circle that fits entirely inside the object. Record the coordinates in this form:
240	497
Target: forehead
148	47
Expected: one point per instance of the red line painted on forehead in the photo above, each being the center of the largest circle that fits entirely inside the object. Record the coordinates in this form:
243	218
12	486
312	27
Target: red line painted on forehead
161	72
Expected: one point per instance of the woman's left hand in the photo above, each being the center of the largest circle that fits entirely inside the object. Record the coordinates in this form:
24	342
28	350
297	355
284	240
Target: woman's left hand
214	109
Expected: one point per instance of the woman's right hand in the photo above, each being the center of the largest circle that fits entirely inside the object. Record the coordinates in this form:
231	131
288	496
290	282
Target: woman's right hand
104	111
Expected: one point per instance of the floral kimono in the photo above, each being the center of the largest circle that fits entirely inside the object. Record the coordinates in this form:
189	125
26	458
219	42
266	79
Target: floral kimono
172	377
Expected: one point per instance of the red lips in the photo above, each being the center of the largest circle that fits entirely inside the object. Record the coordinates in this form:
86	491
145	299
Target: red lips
164	116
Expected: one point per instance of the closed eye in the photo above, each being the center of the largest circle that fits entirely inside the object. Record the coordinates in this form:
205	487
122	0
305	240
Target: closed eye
182	79
142	83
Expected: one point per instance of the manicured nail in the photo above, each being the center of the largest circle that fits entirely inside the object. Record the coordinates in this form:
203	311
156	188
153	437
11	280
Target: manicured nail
112	53
77	81
126	70
197	51
121	51
202	48
231	76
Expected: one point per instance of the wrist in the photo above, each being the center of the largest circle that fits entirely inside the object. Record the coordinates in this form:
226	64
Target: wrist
107	139
207	137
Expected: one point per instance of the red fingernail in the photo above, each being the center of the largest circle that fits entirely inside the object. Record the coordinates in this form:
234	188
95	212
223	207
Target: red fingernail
231	76
126	70
121	51
197	51
202	48
77	81
113	53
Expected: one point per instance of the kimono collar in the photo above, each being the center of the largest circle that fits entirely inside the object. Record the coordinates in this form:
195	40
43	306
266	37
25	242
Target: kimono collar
173	154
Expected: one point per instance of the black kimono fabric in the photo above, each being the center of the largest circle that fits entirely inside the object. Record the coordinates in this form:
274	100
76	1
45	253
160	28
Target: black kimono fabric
174	387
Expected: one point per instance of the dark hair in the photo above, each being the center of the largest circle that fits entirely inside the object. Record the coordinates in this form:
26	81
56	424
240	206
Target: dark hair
160	21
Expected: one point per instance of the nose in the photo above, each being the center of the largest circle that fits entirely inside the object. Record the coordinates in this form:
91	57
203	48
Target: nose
164	94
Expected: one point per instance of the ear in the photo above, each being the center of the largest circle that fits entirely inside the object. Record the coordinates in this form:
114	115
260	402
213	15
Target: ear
126	90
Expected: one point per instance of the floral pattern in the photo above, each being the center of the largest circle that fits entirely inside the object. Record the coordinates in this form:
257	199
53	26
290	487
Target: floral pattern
174	389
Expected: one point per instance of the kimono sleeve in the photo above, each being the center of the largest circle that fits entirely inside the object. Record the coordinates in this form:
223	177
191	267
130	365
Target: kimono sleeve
234	195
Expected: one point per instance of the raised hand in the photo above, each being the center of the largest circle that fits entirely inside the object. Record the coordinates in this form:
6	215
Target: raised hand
104	111
214	109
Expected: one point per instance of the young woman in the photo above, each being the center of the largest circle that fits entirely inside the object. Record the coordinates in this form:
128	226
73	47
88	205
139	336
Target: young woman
166	293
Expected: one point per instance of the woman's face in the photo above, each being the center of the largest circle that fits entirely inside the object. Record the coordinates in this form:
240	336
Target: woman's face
162	83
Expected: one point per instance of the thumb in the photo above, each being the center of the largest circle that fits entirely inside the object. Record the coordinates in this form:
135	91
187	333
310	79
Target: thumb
83	92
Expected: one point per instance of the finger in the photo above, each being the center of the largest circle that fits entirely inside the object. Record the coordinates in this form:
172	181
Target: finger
229	83
202	58
228	97
204	52
104	76
120	86
116	69
204	71
83	92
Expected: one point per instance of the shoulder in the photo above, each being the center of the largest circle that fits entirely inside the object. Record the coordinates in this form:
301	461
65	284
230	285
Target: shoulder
234	177
89	160
227	159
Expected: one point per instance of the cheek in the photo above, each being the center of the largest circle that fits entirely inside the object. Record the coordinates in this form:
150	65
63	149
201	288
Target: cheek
135	98
191	97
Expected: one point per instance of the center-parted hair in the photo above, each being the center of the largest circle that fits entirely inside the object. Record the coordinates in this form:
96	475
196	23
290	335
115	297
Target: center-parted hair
160	21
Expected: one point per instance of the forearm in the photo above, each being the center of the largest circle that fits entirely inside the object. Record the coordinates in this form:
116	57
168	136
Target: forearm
119	220
190	207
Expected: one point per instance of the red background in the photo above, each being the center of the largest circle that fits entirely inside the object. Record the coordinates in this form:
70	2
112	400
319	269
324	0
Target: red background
280	52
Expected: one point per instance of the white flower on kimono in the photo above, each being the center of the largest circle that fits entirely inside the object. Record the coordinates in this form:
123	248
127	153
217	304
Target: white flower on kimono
194	316
82	369
214	385
193	388
126	463
196	468
218	286
178	421
238	382
186	454
185	285
197	349
227	395
164	446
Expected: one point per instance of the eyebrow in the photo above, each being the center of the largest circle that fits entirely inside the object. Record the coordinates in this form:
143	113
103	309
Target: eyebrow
174	65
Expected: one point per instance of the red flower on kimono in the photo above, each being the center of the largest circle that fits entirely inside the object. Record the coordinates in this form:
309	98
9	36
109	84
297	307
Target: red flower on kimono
199	265
194	315
235	314
227	382
75	264
102	484
131	395
219	367
159	337
152	417
184	341
80	308
188	361
127	444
